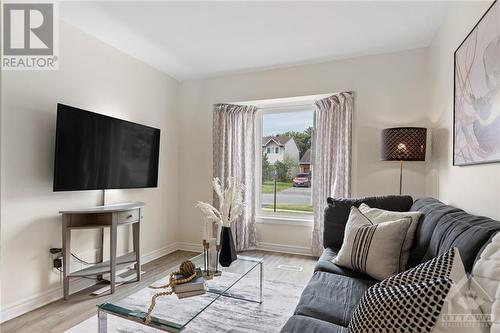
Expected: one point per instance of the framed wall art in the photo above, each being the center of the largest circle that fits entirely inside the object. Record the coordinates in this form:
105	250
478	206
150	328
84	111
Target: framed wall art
476	114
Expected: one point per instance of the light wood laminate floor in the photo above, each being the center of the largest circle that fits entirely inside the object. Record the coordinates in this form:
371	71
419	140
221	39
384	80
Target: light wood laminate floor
61	315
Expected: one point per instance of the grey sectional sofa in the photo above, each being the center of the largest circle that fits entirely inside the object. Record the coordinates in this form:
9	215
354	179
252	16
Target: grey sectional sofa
329	300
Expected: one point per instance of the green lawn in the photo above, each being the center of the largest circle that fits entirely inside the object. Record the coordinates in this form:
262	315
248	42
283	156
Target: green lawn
268	187
291	208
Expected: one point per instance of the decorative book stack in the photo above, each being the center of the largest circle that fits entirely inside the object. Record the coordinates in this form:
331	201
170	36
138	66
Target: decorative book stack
193	288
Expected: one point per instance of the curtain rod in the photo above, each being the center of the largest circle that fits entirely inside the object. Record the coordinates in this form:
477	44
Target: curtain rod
284	106
285	100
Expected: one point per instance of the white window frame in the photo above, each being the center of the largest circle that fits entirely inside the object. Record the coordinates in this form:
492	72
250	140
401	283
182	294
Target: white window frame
263	216
276	150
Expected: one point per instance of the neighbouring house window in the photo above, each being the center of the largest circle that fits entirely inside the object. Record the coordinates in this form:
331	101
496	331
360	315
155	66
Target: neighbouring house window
287	174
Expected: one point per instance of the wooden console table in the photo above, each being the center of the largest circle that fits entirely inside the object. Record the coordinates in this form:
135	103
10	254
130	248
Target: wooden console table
100	217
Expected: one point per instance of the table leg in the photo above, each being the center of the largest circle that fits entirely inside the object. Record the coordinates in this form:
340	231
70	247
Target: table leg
112	252
136	232
261	280
102	322
101	251
66	244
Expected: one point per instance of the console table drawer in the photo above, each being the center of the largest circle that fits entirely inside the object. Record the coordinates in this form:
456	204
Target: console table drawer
128	216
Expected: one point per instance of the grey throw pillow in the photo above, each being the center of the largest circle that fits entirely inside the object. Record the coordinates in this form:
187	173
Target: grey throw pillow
372	248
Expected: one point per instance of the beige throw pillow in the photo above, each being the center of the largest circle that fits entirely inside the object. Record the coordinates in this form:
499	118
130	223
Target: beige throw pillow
380	215
372	248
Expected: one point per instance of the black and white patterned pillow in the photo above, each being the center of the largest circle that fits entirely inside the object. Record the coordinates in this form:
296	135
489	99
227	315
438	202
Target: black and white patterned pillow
411	307
412	301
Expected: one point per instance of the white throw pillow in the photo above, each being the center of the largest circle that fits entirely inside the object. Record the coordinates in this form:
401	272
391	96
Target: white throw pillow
377	215
428	298
485	281
495	319
370	248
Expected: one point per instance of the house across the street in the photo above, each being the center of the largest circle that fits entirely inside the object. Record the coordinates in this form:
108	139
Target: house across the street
305	162
276	147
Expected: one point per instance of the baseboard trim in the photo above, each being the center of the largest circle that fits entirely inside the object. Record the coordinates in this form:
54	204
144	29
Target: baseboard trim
34	302
155	254
262	246
282	248
193	247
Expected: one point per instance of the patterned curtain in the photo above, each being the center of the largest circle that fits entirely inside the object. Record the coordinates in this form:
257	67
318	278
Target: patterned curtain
331	161
234	139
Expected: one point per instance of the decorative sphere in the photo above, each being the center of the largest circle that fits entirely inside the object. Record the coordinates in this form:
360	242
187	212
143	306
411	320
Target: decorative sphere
187	268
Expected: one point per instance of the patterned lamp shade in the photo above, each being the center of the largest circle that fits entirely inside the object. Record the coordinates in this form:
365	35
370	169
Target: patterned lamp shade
404	144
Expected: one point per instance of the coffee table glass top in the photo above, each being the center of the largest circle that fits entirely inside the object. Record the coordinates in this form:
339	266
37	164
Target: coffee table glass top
172	314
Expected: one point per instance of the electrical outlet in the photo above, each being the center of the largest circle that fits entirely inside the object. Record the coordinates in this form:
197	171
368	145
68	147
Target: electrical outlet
56	257
57	263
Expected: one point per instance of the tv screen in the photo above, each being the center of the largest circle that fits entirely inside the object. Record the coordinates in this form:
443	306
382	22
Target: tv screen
95	152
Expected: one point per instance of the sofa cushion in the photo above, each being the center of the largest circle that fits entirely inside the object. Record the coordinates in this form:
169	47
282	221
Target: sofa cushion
444	227
332	297
432	211
302	324
325	264
337	213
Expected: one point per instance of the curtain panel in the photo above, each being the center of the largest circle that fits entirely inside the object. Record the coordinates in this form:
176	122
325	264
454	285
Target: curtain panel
331	161
234	140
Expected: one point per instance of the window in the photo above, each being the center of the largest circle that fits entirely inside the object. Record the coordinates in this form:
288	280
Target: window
286	178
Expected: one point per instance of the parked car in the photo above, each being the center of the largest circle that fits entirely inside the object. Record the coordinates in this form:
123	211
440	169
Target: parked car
302	180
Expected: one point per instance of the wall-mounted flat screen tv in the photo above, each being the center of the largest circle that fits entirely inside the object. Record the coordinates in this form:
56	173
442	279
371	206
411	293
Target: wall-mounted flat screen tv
96	152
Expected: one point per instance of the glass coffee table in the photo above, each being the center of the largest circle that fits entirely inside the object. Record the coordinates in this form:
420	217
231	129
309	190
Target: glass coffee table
172	314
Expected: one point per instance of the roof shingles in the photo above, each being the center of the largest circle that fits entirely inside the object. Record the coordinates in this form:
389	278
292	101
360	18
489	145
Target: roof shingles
306	159
279	139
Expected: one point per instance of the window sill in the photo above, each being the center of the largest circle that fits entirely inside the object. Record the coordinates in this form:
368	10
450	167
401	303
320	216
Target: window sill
285	220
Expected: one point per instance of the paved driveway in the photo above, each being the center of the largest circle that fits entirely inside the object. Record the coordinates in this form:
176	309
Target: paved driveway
292	195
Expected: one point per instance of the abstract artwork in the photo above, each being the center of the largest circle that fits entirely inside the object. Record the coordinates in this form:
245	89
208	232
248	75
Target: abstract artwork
476	132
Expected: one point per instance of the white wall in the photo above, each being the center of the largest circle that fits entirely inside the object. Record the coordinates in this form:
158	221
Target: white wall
292	150
473	188
389	91
97	77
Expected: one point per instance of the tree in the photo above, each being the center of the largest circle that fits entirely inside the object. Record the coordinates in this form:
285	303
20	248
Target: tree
281	171
267	168
284	169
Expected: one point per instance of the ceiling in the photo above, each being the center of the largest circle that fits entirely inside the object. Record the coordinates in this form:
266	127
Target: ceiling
201	39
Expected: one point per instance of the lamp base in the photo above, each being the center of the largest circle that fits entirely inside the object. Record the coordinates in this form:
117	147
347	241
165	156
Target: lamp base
401	177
